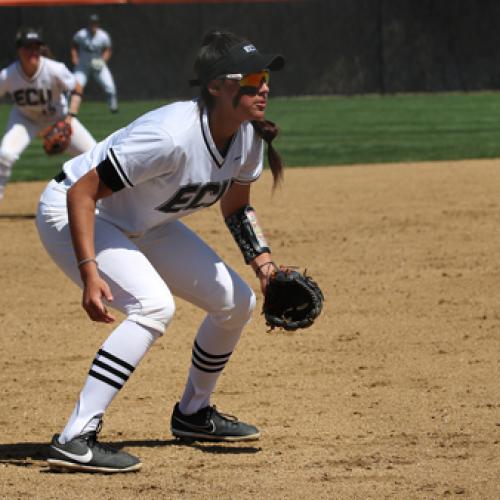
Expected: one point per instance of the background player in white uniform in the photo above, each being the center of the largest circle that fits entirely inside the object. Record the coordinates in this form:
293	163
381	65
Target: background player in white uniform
38	86
120	205
90	53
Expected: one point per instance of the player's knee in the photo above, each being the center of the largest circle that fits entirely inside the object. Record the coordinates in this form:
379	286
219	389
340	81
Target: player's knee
156	313
6	160
239	312
247	302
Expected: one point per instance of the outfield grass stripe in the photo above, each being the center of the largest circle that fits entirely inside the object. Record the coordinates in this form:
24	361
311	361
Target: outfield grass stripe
334	130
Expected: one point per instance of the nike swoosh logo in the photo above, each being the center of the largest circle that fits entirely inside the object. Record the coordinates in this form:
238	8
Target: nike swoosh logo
84	459
206	428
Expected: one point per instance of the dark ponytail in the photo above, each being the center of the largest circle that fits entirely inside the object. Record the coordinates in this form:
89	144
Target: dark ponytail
46	52
268	130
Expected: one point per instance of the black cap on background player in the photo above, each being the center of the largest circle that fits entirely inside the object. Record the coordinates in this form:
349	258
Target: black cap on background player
28	36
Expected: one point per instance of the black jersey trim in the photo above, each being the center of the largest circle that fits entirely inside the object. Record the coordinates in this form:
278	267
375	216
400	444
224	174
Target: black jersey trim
116	163
109	176
207	144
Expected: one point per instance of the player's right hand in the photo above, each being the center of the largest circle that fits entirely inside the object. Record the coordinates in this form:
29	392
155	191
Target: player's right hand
94	291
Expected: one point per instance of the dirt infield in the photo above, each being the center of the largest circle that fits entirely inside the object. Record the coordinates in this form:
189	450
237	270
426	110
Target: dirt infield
393	394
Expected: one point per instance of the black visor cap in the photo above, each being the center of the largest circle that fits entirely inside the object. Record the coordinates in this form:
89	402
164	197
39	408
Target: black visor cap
243	58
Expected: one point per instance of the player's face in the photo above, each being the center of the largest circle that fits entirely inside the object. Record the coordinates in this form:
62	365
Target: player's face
30	54
250	95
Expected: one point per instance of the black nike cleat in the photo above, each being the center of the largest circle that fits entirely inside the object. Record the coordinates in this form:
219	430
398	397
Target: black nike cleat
209	424
85	454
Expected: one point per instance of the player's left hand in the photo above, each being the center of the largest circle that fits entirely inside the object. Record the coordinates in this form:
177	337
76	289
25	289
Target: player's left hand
94	291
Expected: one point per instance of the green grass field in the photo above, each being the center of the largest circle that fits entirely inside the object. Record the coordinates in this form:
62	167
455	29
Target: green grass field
335	130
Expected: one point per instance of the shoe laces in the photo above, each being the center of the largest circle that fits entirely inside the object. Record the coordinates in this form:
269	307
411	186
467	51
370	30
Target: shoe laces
225	416
91	438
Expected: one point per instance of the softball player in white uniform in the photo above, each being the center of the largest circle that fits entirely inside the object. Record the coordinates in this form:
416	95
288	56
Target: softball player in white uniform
90	53
38	86
111	221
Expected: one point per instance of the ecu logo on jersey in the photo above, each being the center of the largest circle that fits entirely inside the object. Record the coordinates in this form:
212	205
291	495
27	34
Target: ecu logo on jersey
32	97
194	196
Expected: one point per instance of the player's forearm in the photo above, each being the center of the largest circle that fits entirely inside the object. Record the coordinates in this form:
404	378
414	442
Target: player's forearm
248	235
242	222
82	199
106	55
75	101
81	214
74	56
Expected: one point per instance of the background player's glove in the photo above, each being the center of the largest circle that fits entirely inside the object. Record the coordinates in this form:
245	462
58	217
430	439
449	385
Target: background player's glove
97	64
292	300
56	138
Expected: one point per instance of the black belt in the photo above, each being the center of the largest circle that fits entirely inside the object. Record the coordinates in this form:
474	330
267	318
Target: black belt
60	176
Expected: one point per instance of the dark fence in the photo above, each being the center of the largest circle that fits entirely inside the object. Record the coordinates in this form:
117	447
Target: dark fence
331	46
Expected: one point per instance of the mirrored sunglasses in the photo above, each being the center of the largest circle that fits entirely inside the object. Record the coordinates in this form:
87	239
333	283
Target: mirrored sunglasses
254	80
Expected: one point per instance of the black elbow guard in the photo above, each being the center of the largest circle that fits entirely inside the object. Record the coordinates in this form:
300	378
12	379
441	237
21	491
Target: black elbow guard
247	233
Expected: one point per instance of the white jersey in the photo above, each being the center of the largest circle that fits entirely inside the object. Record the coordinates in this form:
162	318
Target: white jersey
169	166
41	98
91	46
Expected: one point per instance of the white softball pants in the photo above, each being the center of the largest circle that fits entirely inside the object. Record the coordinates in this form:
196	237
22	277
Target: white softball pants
19	133
103	77
144	272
